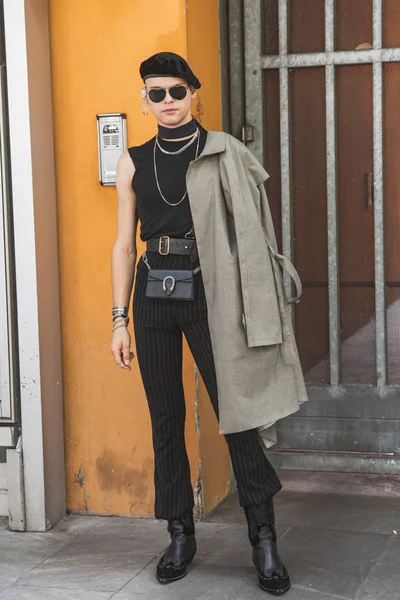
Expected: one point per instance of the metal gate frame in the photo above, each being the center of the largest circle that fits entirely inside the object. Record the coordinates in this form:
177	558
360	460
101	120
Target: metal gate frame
243	39
254	65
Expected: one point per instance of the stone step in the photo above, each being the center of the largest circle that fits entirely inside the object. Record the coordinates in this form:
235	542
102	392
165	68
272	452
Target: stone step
339	434
342	462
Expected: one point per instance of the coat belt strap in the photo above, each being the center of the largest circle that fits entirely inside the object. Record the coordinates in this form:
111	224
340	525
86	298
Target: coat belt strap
289	268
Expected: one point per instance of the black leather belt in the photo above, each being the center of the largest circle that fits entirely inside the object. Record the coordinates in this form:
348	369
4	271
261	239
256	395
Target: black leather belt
165	245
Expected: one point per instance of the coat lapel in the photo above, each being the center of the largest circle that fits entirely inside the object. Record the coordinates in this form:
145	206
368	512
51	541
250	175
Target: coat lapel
215	144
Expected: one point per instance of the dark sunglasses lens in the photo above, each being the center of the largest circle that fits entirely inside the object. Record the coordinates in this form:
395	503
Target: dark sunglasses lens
178	92
157	95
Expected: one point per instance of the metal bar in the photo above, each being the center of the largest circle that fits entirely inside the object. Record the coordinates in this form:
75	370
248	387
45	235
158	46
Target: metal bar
349	284
329	25
283	27
236	60
224	57
287	228
377	24
379	228
320	59
254	76
332	210
287	233
379	210
332	216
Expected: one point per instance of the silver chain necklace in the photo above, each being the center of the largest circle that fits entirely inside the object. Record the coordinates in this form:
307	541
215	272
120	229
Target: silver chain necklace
155	167
190	142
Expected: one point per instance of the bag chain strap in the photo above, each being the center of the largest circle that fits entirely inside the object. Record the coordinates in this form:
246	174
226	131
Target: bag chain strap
146	262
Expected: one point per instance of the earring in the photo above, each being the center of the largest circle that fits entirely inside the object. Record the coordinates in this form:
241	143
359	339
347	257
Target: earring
145	107
199	110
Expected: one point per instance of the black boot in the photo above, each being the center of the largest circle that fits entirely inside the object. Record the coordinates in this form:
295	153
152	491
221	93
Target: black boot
180	553
272	574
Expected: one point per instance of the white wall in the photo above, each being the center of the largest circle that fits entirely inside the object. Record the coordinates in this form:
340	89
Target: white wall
35	230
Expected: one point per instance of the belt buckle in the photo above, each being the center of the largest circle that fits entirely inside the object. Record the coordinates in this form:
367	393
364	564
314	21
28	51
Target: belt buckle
160	245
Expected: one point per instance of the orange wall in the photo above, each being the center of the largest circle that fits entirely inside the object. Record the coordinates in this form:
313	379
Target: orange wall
96	48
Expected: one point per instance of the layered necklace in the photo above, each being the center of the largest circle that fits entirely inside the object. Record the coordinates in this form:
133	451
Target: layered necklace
179	132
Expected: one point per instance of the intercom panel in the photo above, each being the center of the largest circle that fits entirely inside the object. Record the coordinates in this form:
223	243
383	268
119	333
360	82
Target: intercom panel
112	142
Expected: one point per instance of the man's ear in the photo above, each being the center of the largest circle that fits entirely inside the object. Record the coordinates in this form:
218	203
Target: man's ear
193	92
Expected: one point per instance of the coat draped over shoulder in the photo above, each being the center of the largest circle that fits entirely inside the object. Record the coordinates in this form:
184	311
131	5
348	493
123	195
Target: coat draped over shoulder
258	370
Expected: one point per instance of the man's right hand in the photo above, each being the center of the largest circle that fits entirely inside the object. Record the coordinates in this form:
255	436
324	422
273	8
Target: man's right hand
120	348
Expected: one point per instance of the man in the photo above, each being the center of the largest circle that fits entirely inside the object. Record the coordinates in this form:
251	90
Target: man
210	271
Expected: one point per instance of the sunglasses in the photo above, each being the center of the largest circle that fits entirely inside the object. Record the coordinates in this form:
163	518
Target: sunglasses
178	92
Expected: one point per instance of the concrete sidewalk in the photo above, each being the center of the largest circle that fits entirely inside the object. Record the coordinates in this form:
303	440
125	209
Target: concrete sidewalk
335	546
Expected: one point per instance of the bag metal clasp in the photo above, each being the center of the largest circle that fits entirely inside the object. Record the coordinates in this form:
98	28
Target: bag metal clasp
169	290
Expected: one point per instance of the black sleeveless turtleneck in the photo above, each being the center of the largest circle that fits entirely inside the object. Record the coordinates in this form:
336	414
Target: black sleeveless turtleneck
156	216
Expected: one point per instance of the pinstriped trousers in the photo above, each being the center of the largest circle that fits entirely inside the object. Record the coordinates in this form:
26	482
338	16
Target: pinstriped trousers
158	326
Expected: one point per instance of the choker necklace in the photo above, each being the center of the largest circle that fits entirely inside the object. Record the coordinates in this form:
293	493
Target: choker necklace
184	147
176	133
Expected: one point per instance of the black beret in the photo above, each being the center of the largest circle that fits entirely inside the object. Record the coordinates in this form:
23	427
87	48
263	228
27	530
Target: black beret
168	64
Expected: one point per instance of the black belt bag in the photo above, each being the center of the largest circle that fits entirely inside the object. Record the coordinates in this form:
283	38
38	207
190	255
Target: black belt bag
169	284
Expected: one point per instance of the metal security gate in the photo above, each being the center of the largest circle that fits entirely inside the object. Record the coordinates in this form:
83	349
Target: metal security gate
321	108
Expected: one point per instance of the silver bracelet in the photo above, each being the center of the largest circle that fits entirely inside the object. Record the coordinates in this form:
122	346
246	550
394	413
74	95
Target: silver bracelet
120	325
119	310
120	318
118	315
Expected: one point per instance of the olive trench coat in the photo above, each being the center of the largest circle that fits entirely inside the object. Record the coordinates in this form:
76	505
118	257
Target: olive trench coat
259	377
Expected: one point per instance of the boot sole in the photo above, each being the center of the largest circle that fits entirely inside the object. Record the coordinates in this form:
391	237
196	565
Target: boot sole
275	592
173	579
165	581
